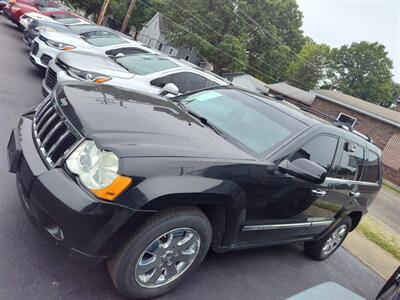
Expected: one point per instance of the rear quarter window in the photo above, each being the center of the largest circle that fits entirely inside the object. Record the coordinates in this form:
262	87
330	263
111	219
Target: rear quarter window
371	168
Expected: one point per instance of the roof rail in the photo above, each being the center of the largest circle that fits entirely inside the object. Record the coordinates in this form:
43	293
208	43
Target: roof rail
337	123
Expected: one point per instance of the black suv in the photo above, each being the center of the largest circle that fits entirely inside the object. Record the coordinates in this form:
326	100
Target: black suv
151	184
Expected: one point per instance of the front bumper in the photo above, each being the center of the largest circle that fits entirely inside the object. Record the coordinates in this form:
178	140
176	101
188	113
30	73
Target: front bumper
43	55
29	36
62	211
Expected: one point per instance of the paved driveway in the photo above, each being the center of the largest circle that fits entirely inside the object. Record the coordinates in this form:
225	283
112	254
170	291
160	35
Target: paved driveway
31	269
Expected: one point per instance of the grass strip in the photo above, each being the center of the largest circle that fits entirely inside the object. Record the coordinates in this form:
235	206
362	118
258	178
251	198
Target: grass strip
391	188
378	234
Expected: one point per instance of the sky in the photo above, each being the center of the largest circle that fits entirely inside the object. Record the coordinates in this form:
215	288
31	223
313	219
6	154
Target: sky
339	22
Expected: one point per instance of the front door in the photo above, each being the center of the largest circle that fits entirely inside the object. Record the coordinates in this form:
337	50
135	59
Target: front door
290	205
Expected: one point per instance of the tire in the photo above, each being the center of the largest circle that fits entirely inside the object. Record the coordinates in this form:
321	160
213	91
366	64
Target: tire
335	237
160	243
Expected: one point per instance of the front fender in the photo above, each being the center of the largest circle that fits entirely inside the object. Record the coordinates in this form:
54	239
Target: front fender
224	201
152	193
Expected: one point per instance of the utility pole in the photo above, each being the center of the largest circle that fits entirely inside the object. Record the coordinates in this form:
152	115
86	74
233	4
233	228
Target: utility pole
102	12
128	15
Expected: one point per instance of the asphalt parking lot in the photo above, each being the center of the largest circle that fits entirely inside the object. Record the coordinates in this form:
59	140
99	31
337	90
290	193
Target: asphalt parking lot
31	269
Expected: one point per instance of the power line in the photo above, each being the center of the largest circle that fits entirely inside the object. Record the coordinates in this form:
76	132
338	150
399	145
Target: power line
265	31
220	34
196	35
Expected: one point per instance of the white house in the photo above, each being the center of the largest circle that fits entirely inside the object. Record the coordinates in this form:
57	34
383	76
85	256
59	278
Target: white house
153	34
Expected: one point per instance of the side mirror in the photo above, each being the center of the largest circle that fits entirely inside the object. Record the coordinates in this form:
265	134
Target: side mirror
304	169
169	88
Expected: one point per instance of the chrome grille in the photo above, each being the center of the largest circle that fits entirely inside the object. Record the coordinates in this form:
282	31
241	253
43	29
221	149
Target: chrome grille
53	136
51	78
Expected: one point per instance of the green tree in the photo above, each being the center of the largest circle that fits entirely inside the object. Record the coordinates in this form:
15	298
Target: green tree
117	9
259	33
362	70
308	71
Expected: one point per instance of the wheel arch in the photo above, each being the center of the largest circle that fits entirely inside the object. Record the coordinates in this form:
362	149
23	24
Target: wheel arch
355	217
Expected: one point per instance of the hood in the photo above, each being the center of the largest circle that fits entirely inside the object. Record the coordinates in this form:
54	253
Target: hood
66	38
133	124
38	16
92	60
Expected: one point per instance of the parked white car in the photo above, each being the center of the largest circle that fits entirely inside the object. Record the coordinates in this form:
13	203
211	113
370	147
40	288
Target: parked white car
49	44
27	18
148	72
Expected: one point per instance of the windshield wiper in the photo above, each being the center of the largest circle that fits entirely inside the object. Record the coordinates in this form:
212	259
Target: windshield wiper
178	102
205	122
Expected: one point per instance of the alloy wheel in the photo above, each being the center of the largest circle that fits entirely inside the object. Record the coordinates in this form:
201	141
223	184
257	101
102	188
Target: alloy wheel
167	257
334	240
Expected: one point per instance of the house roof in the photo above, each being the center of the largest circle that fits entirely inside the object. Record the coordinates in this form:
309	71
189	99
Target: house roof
367	108
247	81
161	22
292	92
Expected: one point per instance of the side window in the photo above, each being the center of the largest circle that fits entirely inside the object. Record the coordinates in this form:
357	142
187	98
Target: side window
160	82
320	150
185	81
351	162
125	51
371	168
211	83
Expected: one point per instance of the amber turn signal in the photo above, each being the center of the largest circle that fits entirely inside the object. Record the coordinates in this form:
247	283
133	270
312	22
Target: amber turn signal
119	185
101	79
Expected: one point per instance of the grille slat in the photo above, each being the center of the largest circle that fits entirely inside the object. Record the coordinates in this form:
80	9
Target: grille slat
51	78
52	134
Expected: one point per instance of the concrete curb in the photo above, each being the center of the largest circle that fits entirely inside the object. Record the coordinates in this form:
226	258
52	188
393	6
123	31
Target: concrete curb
371	254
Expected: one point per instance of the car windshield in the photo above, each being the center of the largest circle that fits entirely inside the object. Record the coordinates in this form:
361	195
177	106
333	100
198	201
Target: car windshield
102	38
68	20
143	64
247	119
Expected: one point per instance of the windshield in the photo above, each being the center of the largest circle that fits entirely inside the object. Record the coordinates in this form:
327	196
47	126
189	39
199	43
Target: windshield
143	64
102	38
247	119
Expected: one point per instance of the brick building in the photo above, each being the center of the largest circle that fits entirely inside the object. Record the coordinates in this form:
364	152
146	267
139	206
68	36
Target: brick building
381	124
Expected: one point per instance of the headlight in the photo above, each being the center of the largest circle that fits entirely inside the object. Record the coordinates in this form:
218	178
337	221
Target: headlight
97	170
26	19
59	45
45	29
88	76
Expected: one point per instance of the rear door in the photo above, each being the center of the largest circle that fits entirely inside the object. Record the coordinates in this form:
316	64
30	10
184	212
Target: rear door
346	189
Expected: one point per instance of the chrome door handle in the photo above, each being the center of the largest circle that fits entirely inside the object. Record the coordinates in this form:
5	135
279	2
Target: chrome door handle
318	193
355	194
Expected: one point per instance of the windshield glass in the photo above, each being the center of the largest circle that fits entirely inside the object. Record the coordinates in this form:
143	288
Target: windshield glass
68	20
247	119
102	38
143	64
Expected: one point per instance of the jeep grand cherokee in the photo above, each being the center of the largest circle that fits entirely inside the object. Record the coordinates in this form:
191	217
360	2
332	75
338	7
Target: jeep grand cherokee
150	184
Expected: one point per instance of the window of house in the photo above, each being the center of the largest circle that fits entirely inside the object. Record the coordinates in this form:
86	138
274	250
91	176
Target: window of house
187	57
170	51
349	120
371	168
351	163
320	150
160	47
190	49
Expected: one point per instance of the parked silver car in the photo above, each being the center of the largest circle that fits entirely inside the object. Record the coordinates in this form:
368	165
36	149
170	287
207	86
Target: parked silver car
49	44
137	70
